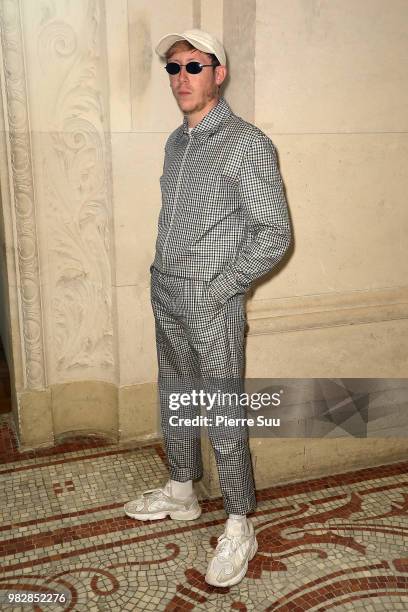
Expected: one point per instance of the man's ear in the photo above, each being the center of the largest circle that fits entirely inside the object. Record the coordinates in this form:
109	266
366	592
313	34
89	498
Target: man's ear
220	74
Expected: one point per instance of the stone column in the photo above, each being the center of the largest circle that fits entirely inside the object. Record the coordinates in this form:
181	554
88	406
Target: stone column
57	207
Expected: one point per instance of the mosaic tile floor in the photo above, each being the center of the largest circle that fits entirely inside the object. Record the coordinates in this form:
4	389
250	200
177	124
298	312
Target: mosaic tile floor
336	543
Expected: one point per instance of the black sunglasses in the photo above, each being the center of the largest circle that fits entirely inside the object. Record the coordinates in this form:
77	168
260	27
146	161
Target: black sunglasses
191	67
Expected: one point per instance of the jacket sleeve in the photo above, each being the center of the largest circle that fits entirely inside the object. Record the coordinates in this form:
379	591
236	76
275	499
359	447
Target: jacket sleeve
266	214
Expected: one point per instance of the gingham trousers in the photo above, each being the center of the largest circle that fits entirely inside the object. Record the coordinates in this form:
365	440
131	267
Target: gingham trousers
201	342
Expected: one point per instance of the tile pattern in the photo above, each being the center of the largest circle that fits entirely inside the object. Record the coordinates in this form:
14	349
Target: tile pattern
339	542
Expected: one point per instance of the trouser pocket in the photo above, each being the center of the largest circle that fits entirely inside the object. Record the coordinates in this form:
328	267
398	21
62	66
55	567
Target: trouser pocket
208	299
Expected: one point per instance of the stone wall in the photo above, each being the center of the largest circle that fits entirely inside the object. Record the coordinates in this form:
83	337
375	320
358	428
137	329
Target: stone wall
86	113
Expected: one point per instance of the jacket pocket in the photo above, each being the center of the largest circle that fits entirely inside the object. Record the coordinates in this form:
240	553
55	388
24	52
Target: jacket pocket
211	195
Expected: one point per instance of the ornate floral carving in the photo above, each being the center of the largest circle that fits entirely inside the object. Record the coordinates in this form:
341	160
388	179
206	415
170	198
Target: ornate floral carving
22	189
76	167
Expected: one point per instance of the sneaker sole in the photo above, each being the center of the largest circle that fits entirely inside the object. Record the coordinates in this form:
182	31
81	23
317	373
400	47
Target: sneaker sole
241	574
176	515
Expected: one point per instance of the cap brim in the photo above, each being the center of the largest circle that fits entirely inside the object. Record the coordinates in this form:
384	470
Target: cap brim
166	42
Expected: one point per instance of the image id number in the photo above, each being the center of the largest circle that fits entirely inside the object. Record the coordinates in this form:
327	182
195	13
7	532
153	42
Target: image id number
28	597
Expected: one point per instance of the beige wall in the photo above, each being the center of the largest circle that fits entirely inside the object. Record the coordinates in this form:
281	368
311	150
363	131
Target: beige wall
331	90
87	110
334	101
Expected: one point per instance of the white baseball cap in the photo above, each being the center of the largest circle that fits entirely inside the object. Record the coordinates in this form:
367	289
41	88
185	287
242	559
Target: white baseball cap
201	40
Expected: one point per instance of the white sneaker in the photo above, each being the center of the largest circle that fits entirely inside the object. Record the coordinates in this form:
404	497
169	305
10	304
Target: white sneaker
156	504
235	548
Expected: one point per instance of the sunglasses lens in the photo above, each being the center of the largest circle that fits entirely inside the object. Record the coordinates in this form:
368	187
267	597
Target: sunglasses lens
172	68
193	67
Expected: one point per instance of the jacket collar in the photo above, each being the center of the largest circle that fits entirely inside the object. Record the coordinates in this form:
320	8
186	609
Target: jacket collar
211	122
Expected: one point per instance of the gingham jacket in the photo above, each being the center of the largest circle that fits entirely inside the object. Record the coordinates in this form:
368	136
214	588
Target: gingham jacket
224	216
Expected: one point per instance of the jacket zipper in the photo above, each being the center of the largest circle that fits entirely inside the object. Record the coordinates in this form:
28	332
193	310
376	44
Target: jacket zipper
176	194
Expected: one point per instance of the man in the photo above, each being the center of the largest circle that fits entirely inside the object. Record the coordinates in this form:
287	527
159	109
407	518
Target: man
223	224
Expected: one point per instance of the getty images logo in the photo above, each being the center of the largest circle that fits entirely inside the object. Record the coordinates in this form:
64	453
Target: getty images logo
255	401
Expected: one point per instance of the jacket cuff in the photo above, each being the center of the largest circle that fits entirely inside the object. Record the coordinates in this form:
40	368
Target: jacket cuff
223	287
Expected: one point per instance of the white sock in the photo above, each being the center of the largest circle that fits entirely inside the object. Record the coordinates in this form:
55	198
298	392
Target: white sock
180	490
237	517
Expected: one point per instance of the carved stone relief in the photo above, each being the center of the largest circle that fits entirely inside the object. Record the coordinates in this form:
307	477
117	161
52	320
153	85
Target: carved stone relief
76	184
22	195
